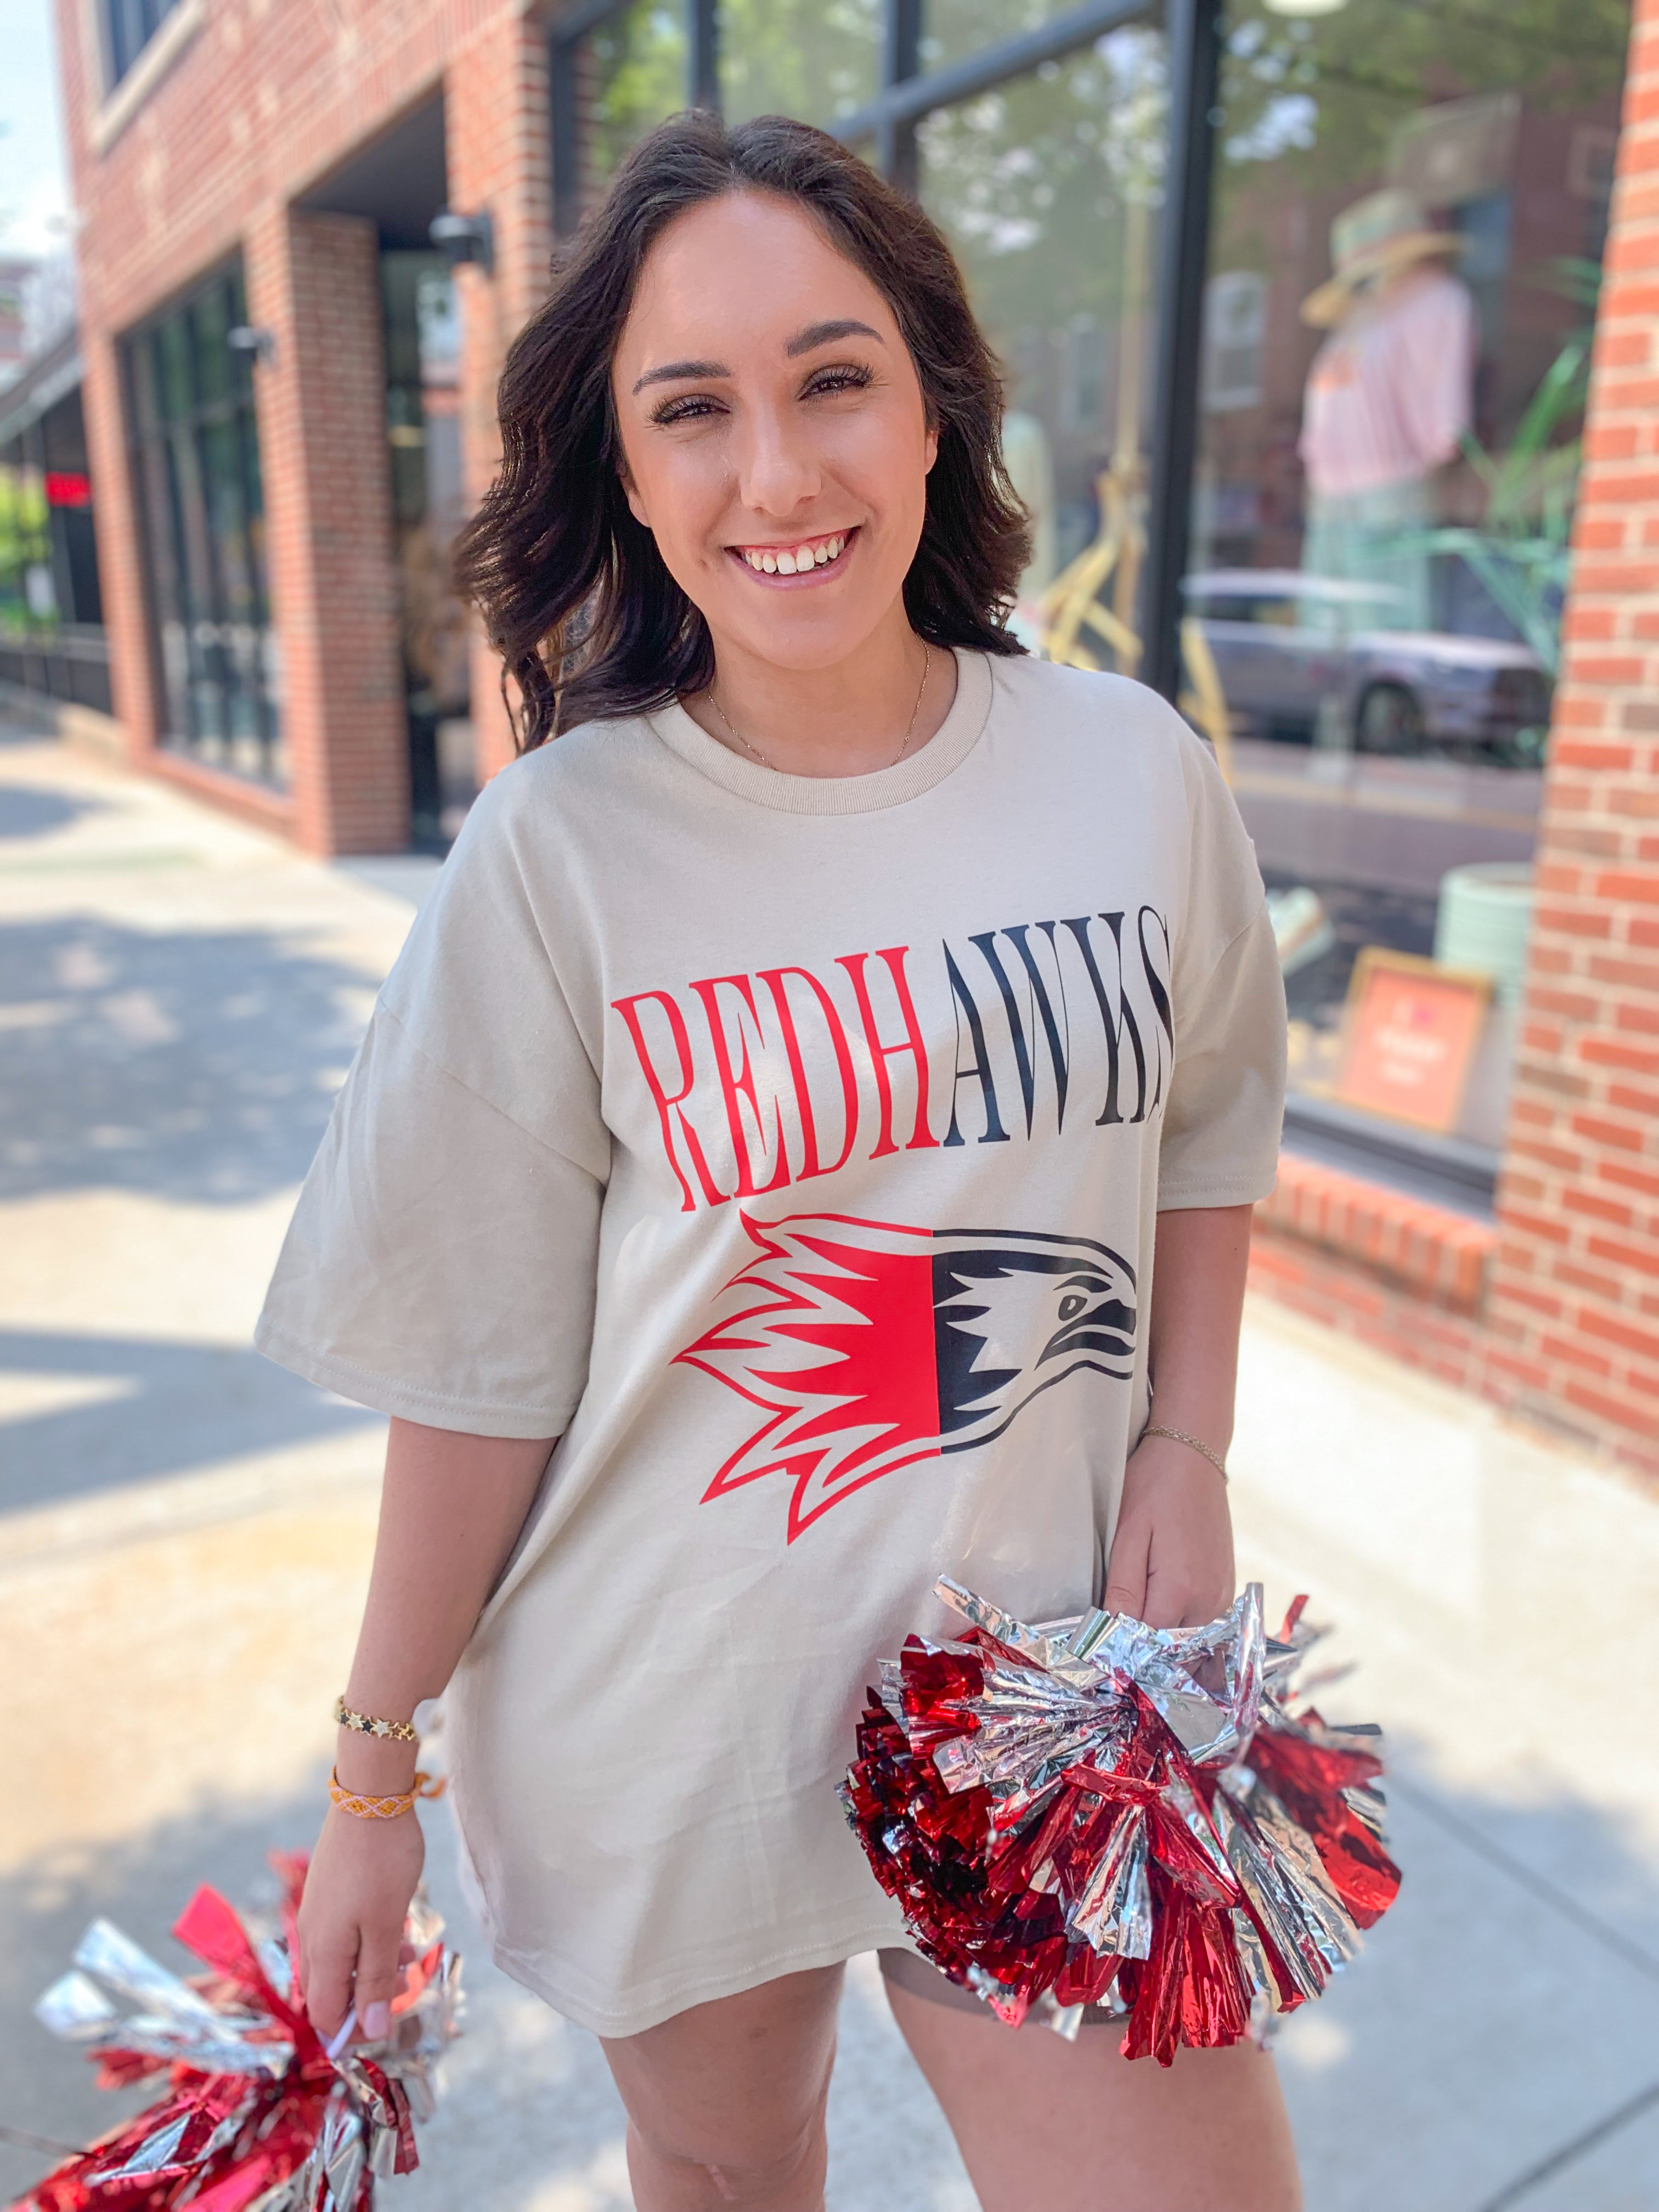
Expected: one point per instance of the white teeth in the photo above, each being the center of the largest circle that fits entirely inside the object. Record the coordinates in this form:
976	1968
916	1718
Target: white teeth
795	563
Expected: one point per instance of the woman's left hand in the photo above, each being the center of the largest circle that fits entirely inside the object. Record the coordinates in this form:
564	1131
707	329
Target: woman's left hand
1172	1555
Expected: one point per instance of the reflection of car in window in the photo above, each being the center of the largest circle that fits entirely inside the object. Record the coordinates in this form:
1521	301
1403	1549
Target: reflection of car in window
1296	656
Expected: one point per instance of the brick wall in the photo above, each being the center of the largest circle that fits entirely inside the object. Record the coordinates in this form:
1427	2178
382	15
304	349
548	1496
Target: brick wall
1572	1313
313	281
266	99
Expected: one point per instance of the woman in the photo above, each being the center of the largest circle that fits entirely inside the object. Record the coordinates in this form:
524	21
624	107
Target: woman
745	1200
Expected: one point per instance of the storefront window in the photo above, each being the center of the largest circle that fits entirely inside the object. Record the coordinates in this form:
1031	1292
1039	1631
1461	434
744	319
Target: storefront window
631	72
815	59
52	635
28	604
1408	216
196	457
952	30
423	337
1048	189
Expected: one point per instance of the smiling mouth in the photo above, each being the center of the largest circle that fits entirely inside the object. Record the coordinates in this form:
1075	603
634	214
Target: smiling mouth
806	557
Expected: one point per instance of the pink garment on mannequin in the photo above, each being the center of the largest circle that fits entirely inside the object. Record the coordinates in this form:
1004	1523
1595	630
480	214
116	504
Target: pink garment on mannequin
1388	392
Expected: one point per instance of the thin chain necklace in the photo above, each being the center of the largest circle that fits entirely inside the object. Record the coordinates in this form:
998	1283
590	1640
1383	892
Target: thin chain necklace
755	752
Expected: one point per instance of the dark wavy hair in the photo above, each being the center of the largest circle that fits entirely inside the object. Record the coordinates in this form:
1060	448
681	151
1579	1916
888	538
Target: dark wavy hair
573	592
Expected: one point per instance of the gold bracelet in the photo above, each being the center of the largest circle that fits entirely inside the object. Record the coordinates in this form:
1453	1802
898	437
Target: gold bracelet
365	1724
1180	1437
364	1807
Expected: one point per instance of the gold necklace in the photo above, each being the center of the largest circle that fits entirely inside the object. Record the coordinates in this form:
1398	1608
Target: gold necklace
756	753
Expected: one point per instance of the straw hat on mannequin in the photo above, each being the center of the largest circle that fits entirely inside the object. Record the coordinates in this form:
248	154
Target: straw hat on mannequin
1378	237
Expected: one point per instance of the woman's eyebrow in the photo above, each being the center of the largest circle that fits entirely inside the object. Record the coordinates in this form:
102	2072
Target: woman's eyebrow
676	368
818	334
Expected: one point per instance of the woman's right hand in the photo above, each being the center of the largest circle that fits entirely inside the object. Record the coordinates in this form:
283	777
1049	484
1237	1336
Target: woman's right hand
361	1876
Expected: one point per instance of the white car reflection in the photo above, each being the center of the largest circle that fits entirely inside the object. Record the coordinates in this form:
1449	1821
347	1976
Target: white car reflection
1297	660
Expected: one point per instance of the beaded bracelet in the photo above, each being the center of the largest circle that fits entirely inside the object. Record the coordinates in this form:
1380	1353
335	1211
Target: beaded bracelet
367	1725
1180	1437
363	1807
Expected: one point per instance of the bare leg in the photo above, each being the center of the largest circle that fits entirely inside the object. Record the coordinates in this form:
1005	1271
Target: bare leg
725	2101
1073	2127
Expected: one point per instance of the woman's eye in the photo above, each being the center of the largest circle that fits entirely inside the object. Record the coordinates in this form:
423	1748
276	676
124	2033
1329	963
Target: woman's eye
684	411
1071	1305
838	379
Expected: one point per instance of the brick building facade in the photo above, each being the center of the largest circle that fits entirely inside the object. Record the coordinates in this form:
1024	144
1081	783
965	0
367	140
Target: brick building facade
254	108
255	130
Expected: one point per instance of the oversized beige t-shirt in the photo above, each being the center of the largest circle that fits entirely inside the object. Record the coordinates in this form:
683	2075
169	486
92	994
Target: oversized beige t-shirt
790	1149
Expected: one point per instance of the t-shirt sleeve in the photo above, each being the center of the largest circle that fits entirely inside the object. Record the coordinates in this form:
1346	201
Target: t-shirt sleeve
442	1257
1225	1111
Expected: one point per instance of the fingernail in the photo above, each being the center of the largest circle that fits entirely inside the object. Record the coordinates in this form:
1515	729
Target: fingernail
377	2021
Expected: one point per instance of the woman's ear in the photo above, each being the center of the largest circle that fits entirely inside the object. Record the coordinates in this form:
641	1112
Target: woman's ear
930	446
635	505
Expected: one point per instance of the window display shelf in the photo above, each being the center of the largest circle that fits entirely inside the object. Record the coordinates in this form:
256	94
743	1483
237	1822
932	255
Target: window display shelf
1442	1170
1433	1252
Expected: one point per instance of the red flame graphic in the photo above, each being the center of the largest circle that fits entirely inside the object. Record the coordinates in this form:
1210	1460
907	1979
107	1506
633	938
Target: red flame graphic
834	1340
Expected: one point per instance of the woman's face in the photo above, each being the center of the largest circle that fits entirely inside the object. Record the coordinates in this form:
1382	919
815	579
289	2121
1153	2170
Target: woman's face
775	440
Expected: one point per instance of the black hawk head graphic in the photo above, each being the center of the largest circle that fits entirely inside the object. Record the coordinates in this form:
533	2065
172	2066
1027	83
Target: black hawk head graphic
866	1345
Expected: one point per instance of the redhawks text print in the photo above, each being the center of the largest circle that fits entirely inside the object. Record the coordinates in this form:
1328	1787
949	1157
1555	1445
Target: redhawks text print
865	1346
782	1075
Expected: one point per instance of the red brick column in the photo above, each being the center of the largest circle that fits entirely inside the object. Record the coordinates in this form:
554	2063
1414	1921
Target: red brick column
314	280
120	553
1573	1309
500	158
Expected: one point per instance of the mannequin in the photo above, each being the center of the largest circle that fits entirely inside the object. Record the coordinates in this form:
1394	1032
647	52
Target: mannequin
1388	400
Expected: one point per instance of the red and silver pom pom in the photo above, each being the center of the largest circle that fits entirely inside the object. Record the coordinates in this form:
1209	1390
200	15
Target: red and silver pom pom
1094	1812
257	2115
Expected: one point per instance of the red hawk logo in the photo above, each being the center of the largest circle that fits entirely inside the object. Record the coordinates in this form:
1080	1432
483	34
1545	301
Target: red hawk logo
868	1344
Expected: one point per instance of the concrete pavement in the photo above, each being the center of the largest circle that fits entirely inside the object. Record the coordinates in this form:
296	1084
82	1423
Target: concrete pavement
185	1532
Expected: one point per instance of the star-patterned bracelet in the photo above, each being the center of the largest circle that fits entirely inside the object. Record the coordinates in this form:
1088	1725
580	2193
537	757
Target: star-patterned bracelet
365	1724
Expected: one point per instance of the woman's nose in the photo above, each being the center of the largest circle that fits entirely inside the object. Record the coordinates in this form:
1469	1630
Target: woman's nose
778	470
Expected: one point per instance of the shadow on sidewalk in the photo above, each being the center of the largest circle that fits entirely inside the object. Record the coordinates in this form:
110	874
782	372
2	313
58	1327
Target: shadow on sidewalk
1496	2018
150	1409
28	813
25	725
196	1065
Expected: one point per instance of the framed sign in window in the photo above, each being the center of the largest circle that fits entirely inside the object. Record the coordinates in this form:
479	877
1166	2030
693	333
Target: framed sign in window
1411	1031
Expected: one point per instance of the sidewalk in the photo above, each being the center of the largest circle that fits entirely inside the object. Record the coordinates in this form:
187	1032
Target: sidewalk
185	1531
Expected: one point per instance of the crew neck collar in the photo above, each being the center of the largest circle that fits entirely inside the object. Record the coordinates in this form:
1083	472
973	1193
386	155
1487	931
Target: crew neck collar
949	746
